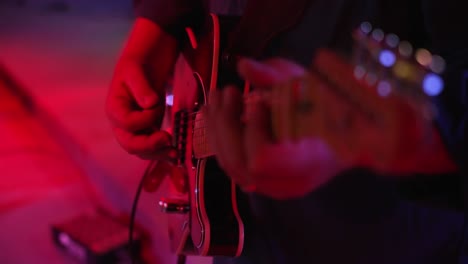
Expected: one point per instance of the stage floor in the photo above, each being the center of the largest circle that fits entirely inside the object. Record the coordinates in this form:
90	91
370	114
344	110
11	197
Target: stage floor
58	156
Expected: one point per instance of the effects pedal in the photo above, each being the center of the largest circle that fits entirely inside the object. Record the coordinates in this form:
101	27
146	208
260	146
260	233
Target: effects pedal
95	238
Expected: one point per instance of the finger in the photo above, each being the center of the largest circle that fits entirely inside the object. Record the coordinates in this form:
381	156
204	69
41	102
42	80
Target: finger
215	100
229	137
157	173
282	189
210	111
257	130
123	112
215	139
295	168
257	73
268	73
286	69
143	144
179	179
139	86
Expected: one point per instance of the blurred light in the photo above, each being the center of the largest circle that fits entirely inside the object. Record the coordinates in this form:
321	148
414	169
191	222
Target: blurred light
378	34
371	78
405	49
423	57
64	238
170	99
402	69
384	88
437	64
387	58
432	84
366	27
359	72
392	40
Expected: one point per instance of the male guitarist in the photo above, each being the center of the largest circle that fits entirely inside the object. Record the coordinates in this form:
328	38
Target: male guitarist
309	207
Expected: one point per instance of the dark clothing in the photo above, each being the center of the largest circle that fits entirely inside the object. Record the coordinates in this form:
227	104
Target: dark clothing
357	217
338	224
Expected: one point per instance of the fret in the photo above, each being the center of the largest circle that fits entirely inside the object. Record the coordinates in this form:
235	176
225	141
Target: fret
201	147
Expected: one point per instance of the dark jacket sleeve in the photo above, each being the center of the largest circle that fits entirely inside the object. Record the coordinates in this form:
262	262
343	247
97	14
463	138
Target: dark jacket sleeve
173	15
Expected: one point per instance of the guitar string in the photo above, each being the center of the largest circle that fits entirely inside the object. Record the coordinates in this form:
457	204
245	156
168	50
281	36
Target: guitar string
331	83
247	99
190	120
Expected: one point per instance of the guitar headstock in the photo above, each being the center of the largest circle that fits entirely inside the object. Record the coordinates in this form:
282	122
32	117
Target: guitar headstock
374	107
394	66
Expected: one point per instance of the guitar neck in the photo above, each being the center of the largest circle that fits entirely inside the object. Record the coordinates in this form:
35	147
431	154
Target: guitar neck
358	106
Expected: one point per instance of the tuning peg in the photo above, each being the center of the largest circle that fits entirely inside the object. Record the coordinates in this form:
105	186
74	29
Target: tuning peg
384	88
387	58
437	64
433	62
371	78
405	49
392	40
433	84
378	34
359	72
360	56
365	27
423	57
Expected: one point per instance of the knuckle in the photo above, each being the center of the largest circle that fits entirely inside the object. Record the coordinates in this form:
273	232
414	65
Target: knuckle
140	120
127	144
158	141
123	122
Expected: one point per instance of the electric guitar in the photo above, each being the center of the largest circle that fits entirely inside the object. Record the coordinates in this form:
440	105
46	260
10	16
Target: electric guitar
360	112
206	220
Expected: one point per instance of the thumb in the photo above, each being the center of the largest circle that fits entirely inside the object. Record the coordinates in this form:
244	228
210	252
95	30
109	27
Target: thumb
139	86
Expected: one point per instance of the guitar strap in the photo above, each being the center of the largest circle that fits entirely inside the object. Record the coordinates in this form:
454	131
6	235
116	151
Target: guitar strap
227	7
257	25
263	20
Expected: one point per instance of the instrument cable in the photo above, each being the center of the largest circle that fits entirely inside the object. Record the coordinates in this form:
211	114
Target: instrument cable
181	259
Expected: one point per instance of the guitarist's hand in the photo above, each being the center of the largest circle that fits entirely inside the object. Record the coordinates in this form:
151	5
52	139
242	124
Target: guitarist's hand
246	150
136	100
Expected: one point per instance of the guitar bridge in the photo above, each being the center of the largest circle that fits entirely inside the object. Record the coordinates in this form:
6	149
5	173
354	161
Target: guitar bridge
180	134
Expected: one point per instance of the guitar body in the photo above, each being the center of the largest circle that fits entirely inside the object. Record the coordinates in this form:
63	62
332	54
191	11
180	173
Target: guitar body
212	225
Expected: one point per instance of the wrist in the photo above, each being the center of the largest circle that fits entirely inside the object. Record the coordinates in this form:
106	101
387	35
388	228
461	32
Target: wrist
146	38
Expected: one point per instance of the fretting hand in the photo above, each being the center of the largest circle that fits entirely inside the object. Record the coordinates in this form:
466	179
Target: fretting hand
246	150
283	168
